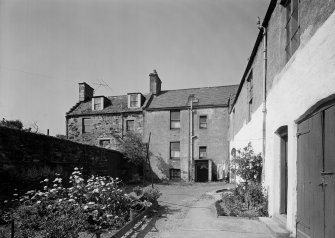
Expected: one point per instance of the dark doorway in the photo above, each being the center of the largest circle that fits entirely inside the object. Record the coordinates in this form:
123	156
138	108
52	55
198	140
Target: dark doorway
282	132
201	170
316	167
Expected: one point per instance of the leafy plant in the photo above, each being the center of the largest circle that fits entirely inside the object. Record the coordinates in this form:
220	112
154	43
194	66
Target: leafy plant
151	194
91	205
247	165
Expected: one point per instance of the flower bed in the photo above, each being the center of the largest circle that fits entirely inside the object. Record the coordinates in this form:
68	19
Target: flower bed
95	206
246	200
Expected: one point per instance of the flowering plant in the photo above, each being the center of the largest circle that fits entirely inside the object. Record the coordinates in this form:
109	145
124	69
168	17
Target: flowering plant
92	205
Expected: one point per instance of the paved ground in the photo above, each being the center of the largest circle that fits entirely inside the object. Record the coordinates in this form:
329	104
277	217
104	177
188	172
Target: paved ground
187	210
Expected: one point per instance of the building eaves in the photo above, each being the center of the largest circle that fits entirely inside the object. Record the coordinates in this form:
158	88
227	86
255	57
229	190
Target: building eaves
266	20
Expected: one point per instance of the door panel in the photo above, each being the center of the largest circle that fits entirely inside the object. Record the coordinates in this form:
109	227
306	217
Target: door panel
310	164
330	167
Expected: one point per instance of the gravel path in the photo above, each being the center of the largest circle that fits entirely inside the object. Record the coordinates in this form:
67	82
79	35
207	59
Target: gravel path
175	203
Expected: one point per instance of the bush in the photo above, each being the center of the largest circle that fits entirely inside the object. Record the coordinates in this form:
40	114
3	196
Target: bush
245	200
247	165
92	205
151	194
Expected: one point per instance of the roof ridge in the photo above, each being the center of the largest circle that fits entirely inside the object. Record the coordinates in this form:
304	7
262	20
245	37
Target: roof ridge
231	85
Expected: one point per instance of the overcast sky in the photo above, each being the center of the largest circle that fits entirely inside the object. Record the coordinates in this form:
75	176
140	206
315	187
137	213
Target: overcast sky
48	46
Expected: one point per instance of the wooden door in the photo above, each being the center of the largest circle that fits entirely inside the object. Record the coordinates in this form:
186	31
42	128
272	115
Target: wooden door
202	171
316	182
329	169
310	195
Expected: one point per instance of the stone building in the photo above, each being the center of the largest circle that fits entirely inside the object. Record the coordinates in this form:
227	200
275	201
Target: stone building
189	129
177	151
103	121
285	107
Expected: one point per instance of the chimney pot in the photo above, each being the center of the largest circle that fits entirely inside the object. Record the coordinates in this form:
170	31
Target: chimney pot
85	92
155	83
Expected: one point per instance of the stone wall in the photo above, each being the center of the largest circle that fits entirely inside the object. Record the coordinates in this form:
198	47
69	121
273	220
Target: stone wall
110	127
26	157
215	138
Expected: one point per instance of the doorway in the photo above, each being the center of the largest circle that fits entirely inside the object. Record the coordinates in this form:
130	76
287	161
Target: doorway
316	167
201	170
282	133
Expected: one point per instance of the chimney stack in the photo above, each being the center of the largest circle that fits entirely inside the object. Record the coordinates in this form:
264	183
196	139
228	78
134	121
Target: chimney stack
155	83
85	92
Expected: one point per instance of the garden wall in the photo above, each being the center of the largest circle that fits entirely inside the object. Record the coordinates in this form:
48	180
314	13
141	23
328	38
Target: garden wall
26	158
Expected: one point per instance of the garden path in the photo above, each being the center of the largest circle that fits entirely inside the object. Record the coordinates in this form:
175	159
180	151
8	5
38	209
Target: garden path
187	210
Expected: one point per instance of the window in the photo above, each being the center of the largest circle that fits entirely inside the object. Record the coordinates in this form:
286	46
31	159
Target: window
175	150
250	94
174	119
202	122
249	110
174	174
133	100
87	125
105	143
130	125
292	27
97	104
202	152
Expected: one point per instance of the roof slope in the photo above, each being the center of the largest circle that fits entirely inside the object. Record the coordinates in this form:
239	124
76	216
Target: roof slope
208	96
117	104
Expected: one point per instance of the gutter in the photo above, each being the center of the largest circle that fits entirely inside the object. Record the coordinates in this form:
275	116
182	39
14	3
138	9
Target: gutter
266	20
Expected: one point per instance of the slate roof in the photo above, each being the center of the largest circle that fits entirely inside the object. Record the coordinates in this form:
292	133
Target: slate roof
208	96
116	104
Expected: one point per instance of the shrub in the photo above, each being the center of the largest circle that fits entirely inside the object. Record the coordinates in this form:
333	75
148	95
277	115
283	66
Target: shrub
137	190
151	194
247	165
91	205
245	200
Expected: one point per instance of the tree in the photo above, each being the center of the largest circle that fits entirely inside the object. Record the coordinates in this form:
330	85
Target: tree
16	124
134	149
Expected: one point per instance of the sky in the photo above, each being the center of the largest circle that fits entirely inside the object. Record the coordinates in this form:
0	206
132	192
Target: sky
47	47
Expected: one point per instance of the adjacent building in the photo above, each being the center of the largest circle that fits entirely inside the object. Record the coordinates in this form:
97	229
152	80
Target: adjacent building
285	107
188	128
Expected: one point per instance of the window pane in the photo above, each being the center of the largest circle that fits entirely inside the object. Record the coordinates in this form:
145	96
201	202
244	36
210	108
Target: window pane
175	149
87	125
202	151
130	125
175	146
133	103
175	115
175	124
174	173
203	119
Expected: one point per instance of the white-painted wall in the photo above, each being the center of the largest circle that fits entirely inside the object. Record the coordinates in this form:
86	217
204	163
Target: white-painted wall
307	78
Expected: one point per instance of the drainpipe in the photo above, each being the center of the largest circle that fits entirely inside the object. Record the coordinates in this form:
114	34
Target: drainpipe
263	29
192	100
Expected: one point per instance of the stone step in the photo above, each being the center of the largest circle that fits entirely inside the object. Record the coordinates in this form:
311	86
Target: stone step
277	229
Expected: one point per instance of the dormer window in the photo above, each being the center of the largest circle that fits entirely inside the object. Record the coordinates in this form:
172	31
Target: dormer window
134	100
97	103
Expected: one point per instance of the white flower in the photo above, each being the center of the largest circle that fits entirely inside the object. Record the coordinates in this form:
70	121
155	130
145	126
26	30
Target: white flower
96	190
85	207
71	200
38	202
15	194
91	203
5	201
60	200
75	168
49	207
46	180
45	187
